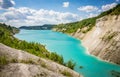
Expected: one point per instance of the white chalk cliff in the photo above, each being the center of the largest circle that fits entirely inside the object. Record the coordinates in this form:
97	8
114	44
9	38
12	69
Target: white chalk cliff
103	40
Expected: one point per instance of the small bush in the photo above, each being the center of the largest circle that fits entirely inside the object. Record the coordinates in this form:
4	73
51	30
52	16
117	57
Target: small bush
57	58
109	36
43	64
66	73
28	61
70	64
14	61
31	62
3	60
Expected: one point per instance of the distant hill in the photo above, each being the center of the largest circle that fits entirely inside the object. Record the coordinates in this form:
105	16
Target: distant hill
43	27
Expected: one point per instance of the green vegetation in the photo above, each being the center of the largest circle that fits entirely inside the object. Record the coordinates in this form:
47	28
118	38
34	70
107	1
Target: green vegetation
112	35
109	35
70	64
66	73
14	61
30	61
55	57
43	64
3	60
113	11
6	34
6	37
41	27
89	23
72	27
43	74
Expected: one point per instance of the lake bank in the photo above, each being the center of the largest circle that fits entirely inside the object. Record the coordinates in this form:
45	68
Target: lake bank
70	48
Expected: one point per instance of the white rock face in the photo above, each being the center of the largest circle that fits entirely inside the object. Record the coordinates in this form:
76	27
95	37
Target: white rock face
98	41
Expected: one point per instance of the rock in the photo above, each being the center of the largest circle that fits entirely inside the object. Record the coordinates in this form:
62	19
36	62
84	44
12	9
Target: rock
28	65
103	40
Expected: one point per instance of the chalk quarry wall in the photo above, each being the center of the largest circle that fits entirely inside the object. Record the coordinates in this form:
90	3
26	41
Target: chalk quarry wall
103	40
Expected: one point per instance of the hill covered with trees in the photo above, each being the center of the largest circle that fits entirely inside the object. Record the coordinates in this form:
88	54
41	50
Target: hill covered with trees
90	22
7	38
42	27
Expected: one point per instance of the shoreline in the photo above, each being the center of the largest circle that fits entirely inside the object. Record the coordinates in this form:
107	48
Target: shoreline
88	53
86	49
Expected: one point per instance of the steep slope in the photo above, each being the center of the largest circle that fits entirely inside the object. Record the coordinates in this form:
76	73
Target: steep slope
87	24
100	35
17	63
104	39
7	38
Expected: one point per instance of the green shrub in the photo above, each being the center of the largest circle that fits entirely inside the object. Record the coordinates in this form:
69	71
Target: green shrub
108	36
30	61
43	64
14	61
57	58
66	73
3	60
70	64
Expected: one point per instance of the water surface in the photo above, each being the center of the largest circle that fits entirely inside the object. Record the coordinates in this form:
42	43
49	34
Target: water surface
70	48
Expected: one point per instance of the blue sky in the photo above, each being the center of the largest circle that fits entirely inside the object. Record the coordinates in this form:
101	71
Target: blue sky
38	12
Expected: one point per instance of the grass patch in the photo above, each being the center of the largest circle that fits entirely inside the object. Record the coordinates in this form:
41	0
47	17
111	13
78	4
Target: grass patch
3	60
30	61
43	64
66	73
14	61
109	35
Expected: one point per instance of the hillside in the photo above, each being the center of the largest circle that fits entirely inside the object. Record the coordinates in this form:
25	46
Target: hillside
18	63
7	39
42	27
86	24
100	35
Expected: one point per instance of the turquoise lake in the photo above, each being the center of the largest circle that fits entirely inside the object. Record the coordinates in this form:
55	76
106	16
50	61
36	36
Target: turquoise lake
70	48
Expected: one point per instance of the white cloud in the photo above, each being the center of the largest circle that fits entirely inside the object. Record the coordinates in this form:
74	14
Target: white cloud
117	0
0	0
92	15
27	16
108	6
65	4
99	10
88	8
5	4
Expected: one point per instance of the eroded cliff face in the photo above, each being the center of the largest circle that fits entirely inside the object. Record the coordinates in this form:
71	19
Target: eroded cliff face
103	40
